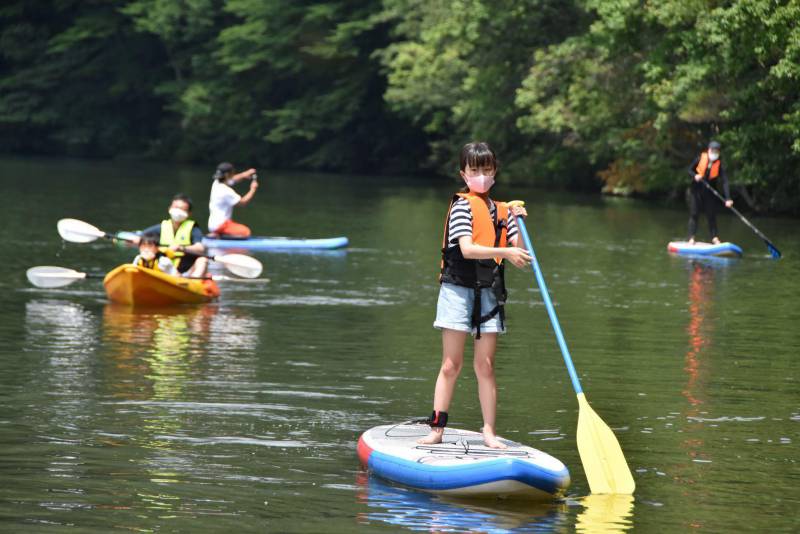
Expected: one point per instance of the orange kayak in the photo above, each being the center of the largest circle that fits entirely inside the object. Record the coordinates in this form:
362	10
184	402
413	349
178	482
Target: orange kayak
138	286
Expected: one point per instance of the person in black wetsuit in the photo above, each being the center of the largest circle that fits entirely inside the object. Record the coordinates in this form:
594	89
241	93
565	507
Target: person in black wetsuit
706	167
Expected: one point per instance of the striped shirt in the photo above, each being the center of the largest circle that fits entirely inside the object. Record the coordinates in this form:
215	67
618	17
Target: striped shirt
461	222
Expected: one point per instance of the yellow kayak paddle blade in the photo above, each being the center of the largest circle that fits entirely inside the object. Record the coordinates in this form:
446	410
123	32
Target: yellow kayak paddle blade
602	458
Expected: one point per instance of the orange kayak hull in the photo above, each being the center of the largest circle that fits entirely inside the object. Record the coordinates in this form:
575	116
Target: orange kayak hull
138	286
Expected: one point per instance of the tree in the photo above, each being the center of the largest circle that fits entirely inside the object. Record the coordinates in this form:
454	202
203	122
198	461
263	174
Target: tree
454	66
647	84
76	79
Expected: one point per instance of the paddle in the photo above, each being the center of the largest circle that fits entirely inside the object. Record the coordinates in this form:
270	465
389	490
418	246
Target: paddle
77	231
602	458
48	276
773	250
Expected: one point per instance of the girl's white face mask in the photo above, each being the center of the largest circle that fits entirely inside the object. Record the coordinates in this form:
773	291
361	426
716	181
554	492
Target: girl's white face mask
178	215
480	183
713	156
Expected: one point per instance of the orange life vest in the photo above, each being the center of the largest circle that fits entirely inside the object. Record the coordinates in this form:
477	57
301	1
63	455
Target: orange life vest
702	166
484	231
478	274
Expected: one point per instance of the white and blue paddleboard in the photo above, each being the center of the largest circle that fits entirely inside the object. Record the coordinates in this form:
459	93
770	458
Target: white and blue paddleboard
461	466
698	248
276	243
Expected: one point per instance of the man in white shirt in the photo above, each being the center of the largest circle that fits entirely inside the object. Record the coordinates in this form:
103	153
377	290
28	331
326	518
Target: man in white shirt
223	199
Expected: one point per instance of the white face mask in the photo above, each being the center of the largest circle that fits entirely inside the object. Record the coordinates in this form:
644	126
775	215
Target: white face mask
713	156
480	183
178	215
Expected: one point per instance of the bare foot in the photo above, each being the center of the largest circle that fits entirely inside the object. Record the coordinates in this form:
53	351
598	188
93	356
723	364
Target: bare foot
433	438
716	241
691	241
491	441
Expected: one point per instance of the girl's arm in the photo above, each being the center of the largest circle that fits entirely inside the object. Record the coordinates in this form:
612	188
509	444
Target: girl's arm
197	249
471	251
166	266
247	197
243	175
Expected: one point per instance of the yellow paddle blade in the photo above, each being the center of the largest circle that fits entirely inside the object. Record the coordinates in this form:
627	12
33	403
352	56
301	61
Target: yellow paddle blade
602	458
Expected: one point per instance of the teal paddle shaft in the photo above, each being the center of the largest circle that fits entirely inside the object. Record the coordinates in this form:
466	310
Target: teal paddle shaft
550	310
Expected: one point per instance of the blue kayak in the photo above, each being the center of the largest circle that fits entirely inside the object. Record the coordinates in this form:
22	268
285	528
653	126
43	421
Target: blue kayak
698	248
264	243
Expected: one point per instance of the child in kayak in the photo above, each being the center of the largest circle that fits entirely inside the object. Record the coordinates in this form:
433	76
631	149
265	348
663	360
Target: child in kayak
478	236
151	258
183	237
223	199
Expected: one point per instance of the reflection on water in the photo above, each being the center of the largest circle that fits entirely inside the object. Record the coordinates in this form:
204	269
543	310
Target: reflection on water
416	510
605	514
60	326
157	352
153	350
234	330
697	362
699	330
697	365
66	333
158	355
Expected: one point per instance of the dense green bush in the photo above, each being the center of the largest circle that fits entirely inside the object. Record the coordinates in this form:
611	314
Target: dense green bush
572	93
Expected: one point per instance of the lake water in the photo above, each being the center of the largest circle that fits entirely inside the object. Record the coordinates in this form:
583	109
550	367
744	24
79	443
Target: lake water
243	415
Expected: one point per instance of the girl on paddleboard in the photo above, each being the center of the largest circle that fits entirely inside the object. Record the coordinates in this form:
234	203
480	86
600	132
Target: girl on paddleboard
478	236
223	199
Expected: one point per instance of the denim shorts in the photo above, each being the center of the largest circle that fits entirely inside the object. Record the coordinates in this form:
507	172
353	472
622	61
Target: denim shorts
454	309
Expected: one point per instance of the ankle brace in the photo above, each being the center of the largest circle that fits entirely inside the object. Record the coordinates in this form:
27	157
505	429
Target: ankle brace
438	419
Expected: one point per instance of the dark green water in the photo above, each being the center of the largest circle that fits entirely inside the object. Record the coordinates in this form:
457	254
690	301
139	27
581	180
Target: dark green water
243	415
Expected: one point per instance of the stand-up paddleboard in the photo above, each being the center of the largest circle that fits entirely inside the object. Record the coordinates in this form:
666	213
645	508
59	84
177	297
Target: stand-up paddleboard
705	249
257	244
276	243
461	466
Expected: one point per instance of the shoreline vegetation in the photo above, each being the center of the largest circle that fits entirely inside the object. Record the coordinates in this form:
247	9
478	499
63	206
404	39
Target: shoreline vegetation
583	95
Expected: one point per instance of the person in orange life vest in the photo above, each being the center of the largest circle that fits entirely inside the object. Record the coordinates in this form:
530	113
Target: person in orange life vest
707	166
223	199
151	258
184	239
478	236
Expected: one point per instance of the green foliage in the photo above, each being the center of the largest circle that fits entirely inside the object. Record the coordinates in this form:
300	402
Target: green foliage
74	81
454	65
647	84
569	92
